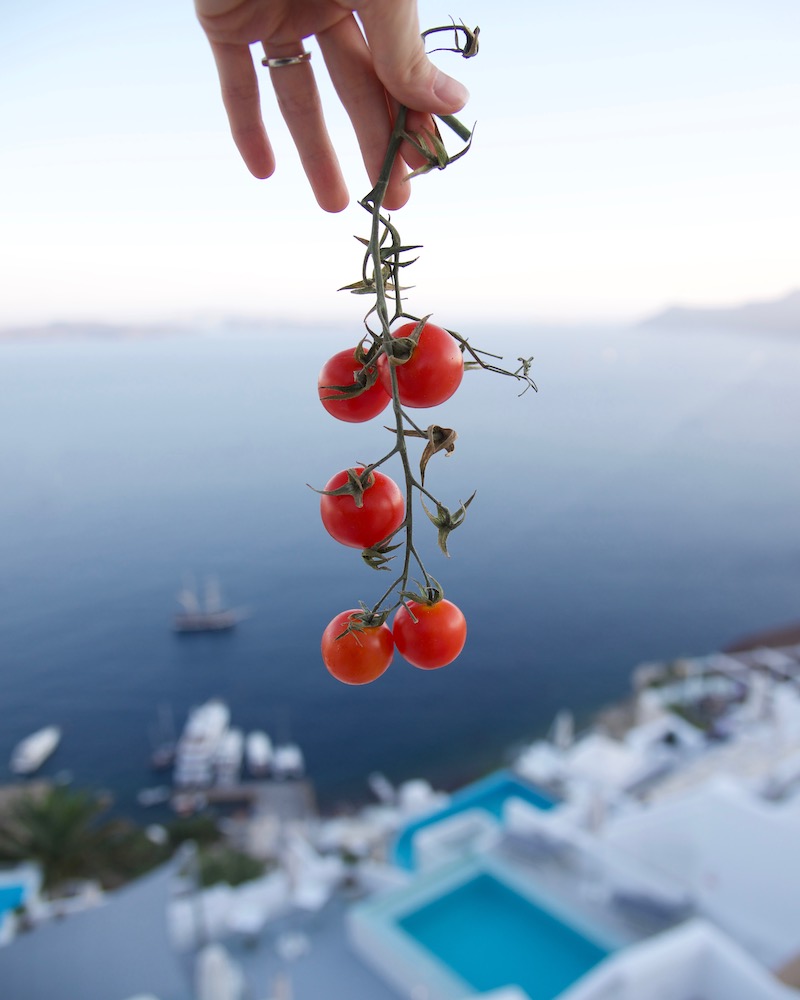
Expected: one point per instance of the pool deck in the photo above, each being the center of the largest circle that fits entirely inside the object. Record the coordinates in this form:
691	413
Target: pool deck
581	887
487	793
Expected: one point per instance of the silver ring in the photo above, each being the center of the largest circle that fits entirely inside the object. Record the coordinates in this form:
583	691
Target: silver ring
282	61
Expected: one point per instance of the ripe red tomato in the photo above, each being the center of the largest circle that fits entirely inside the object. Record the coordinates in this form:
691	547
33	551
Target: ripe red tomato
433	372
340	370
382	512
358	657
435	638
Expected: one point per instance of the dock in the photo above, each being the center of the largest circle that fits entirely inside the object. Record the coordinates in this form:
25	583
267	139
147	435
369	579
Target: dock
286	800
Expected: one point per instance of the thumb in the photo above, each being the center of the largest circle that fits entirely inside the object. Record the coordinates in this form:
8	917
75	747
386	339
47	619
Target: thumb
392	30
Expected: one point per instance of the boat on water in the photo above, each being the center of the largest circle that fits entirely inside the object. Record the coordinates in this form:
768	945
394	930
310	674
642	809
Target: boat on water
288	761
258	753
228	758
154	796
29	754
199	744
208	614
164	743
163	757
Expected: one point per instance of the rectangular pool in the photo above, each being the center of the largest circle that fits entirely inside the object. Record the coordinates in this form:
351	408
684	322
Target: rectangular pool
491	936
475	926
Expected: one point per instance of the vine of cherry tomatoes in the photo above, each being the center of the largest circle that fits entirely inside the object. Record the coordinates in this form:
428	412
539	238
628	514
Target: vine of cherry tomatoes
412	365
363	508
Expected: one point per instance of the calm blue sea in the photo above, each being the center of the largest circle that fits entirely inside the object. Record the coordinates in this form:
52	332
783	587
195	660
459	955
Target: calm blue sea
644	505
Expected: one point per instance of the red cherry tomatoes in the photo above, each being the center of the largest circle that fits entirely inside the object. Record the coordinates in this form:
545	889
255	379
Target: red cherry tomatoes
433	372
360	656
381	514
435	638
340	370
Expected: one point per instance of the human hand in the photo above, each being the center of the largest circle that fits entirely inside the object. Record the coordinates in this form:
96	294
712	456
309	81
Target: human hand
371	75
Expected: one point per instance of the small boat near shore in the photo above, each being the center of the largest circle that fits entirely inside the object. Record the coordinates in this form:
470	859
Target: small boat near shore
162	756
288	761
258	753
29	754
199	744
228	757
154	796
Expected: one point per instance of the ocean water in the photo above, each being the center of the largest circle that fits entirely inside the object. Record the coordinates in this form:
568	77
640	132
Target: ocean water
645	504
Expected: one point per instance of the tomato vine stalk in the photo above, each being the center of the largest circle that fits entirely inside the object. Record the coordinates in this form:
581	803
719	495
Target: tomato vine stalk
382	265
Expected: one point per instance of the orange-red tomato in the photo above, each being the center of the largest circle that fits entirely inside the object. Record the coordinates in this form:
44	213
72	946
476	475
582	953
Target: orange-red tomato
432	373
339	370
381	513
435	638
358	657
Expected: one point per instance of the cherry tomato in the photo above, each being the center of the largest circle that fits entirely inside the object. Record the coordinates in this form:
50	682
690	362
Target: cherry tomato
381	513
360	656
435	638
340	370
433	372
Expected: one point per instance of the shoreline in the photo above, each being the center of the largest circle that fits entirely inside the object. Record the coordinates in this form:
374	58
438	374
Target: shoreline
771	638
613	717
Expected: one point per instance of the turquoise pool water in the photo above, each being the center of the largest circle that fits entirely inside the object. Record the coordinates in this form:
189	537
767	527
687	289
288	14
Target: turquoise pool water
11	896
492	936
489	794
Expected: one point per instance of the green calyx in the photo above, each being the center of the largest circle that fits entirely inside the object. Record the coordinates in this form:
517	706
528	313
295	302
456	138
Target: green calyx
445	521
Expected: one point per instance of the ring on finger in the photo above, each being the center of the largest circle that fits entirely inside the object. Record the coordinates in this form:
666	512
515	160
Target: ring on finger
281	61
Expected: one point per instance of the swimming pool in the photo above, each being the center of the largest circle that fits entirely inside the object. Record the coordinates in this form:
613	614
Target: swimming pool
491	936
489	794
477	926
19	886
11	896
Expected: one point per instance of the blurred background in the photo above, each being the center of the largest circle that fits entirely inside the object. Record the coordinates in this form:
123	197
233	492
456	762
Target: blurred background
628	216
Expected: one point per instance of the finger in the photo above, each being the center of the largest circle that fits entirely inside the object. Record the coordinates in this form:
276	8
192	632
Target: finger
298	99
352	73
239	85
392	29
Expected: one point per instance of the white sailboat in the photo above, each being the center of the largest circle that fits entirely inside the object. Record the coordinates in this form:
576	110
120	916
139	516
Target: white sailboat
208	616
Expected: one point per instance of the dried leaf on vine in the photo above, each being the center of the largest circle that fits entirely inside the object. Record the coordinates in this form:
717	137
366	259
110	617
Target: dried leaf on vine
434	151
470	46
446	522
438	438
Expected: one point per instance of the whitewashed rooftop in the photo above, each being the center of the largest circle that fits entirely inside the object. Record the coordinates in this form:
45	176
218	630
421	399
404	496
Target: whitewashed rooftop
734	853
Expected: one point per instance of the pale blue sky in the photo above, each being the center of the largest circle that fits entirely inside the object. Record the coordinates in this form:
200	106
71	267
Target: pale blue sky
628	155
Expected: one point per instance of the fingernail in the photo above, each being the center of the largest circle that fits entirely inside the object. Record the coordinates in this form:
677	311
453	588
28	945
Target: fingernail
450	91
